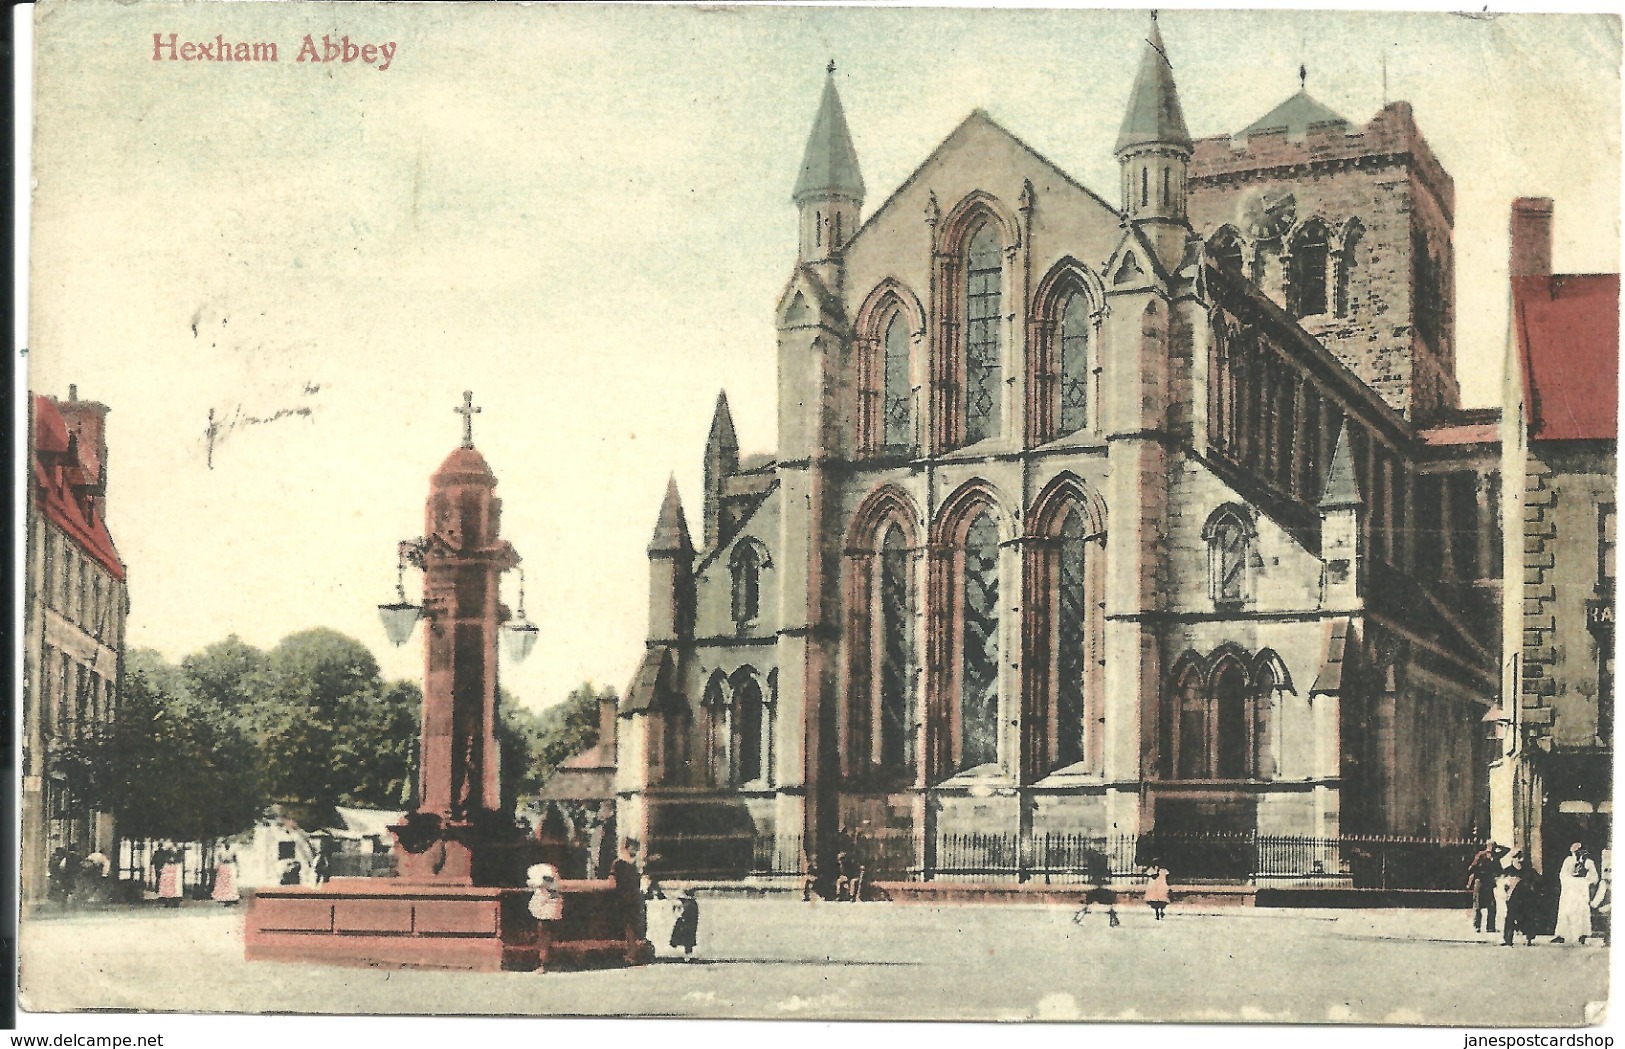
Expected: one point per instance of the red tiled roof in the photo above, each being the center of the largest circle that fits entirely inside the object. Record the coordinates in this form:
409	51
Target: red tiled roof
54	479
1567	327
1463	433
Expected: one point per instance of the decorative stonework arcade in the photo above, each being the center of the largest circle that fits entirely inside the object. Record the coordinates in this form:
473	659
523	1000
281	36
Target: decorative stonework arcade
457	900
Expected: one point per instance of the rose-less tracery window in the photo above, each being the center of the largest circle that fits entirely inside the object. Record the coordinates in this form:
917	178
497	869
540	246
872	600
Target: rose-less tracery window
979	645
1074	335
898	418
984	276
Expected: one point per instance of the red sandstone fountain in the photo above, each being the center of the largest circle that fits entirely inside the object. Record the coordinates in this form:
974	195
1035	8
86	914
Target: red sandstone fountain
458	900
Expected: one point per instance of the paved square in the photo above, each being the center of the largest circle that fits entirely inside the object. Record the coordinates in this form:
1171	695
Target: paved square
777	958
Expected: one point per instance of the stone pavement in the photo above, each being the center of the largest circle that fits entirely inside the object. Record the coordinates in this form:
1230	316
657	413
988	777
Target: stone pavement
774	958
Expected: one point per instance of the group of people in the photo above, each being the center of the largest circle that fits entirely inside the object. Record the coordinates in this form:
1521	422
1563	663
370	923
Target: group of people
1502	880
73	877
1156	896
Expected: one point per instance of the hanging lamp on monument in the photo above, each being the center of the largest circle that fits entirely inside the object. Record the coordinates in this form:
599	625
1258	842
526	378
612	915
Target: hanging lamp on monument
400	615
519	636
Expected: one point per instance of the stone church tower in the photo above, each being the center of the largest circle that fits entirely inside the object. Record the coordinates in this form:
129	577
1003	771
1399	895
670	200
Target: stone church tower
1090	522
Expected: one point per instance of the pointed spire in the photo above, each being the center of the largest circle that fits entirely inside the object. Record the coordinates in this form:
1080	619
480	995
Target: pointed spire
722	426
1342	487
829	168
1154	115
671	531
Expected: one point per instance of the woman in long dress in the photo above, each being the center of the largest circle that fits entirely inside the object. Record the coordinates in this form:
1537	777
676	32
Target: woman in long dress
225	881
1574	881
169	877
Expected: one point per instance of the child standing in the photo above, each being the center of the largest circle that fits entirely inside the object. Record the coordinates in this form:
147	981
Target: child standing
1156	890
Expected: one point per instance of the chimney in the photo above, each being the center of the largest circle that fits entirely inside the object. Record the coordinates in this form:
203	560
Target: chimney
608	707
1531	250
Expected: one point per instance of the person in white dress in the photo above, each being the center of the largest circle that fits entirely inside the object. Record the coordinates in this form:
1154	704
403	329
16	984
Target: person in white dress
1575	879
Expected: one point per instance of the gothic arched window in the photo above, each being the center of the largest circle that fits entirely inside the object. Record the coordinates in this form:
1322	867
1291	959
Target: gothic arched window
745	565
1224	248
895	598
1263	721
896	393
1229	542
1232	730
1070	626
1074	340
1191	726
979	645
674	729
1306	281
714	710
984	279
748	725
1347	263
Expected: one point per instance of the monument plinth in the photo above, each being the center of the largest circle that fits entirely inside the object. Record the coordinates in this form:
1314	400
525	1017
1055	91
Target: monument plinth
458	900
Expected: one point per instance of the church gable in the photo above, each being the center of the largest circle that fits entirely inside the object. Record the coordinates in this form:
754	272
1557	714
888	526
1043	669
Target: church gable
807	303
981	158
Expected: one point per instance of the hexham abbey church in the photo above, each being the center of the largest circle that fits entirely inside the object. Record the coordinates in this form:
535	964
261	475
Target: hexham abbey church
1155	515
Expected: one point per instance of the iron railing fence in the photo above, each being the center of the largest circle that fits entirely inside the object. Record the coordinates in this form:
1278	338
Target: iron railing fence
1358	861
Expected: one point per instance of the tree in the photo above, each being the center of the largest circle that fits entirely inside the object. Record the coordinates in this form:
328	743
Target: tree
165	769
534	745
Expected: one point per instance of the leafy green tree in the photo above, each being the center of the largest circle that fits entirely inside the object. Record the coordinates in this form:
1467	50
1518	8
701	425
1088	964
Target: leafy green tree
165	769
226	677
534	744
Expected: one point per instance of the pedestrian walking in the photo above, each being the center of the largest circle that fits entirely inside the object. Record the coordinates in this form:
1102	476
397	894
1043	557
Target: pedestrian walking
56	884
685	931
1575	879
1518	889
1100	895
321	867
225	880
1482	874
809	877
1156	890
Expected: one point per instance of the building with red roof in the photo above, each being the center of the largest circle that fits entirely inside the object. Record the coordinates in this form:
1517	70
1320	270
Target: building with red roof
1550	783
73	648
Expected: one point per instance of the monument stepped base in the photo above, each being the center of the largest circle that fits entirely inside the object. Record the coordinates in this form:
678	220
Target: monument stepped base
384	923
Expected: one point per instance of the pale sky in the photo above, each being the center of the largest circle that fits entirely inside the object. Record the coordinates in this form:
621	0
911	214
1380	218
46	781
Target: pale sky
582	214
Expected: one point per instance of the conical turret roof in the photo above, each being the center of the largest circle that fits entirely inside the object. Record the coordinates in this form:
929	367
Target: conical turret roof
722	426
1342	487
829	167
1154	115
671	530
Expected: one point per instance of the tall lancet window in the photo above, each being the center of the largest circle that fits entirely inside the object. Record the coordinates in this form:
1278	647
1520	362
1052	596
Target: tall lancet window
1069	644
979	646
899	421
747	740
1074	363
896	648
984	277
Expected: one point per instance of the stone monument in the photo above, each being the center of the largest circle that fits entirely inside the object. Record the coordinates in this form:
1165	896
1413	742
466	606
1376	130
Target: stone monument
458	899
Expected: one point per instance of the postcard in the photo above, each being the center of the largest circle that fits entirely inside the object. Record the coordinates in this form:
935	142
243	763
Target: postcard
822	513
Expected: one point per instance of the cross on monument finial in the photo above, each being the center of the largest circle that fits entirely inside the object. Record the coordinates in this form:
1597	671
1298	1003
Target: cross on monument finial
468	411
831	67
1303	76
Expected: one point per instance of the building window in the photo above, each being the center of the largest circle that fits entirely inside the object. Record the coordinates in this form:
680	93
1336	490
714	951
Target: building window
675	724
714	712
1307	276
896	396
748	726
1347	264
1231	730
1070	626
896	678
984	276
746	564
1074	338
1229	542
1224	249
979	645
1218	723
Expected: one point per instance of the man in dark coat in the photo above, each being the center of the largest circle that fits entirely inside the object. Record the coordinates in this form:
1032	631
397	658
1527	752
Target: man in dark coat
629	891
1482	874
1518	880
